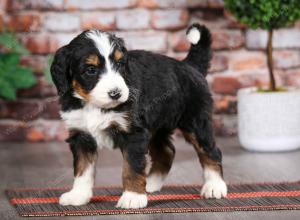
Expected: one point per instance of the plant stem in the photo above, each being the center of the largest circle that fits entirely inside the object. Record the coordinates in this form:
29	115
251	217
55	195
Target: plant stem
269	51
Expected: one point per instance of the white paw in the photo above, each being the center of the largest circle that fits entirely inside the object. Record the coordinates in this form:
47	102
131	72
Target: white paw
215	188
154	182
75	197
132	200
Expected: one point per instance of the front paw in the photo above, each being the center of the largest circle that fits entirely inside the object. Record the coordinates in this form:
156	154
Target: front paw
132	200
154	182
75	197
215	188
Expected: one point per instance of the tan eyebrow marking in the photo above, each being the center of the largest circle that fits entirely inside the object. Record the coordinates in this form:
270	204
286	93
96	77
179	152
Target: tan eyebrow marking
92	59
118	55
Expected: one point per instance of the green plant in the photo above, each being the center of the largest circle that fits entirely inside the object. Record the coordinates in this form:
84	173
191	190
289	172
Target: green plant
13	76
268	15
47	72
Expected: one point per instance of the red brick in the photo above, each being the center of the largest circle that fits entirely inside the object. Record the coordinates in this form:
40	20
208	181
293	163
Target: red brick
3	4
286	58
18	5
287	38
297	24
232	22
39	130
292	78
163	3
260	78
2	26
219	63
62	22
36	62
225	104
245	60
169	19
179	42
226	85
96	4
44	130
222	39
41	43
51	108
148	4
219	4
283	38
98	20
212	19
149	40
227	39
133	19
172	4
41	90
25	110
225	125
11	130
24	22
177	56
65	38
197	3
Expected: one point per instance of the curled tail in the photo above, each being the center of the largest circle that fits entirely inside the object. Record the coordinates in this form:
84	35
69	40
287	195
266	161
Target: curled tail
200	54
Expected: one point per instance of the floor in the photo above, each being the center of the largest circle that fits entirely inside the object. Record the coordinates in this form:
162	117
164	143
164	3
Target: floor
50	164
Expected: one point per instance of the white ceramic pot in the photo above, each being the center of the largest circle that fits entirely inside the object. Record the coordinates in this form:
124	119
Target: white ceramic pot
269	121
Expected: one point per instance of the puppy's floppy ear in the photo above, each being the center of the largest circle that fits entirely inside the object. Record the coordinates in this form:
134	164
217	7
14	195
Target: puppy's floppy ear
60	70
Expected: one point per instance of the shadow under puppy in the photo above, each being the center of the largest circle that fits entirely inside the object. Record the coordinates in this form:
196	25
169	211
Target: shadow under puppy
133	100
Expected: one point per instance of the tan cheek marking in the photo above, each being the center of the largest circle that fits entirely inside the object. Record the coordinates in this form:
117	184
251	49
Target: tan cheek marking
118	55
93	60
81	91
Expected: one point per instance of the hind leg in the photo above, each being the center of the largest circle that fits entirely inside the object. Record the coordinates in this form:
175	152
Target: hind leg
202	138
162	153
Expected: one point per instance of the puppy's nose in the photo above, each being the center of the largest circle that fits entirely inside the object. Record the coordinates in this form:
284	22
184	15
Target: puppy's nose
114	94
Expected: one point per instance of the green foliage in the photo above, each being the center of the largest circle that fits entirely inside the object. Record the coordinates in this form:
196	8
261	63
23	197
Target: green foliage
11	43
47	69
265	14
13	76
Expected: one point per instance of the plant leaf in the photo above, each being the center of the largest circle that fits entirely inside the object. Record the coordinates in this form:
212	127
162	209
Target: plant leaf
22	78
9	41
47	69
7	91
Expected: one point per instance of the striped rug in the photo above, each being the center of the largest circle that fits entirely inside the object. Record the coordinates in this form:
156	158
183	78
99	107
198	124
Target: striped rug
241	197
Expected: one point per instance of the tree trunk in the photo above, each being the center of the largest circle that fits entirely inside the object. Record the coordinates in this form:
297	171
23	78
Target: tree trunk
269	51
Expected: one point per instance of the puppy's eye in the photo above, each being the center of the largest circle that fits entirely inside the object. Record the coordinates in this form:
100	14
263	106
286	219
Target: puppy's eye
91	70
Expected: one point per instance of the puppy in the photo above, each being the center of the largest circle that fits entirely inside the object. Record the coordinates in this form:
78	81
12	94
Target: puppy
133	100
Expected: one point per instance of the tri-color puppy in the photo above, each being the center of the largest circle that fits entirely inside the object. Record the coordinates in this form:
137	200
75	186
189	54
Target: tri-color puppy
133	100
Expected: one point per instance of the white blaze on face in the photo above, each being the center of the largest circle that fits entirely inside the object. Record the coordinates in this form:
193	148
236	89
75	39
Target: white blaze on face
110	80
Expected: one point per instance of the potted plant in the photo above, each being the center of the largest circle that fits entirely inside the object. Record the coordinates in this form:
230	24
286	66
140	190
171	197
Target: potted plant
268	118
13	75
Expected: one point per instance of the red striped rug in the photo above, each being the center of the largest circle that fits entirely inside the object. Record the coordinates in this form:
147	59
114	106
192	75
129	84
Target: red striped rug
241	197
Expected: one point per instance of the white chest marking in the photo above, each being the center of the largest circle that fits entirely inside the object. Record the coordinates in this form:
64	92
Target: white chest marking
95	121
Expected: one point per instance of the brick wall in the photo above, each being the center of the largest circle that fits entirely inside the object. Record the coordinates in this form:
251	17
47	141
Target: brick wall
157	25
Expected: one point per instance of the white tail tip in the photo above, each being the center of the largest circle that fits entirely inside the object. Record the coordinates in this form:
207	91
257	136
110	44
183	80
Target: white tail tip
193	35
